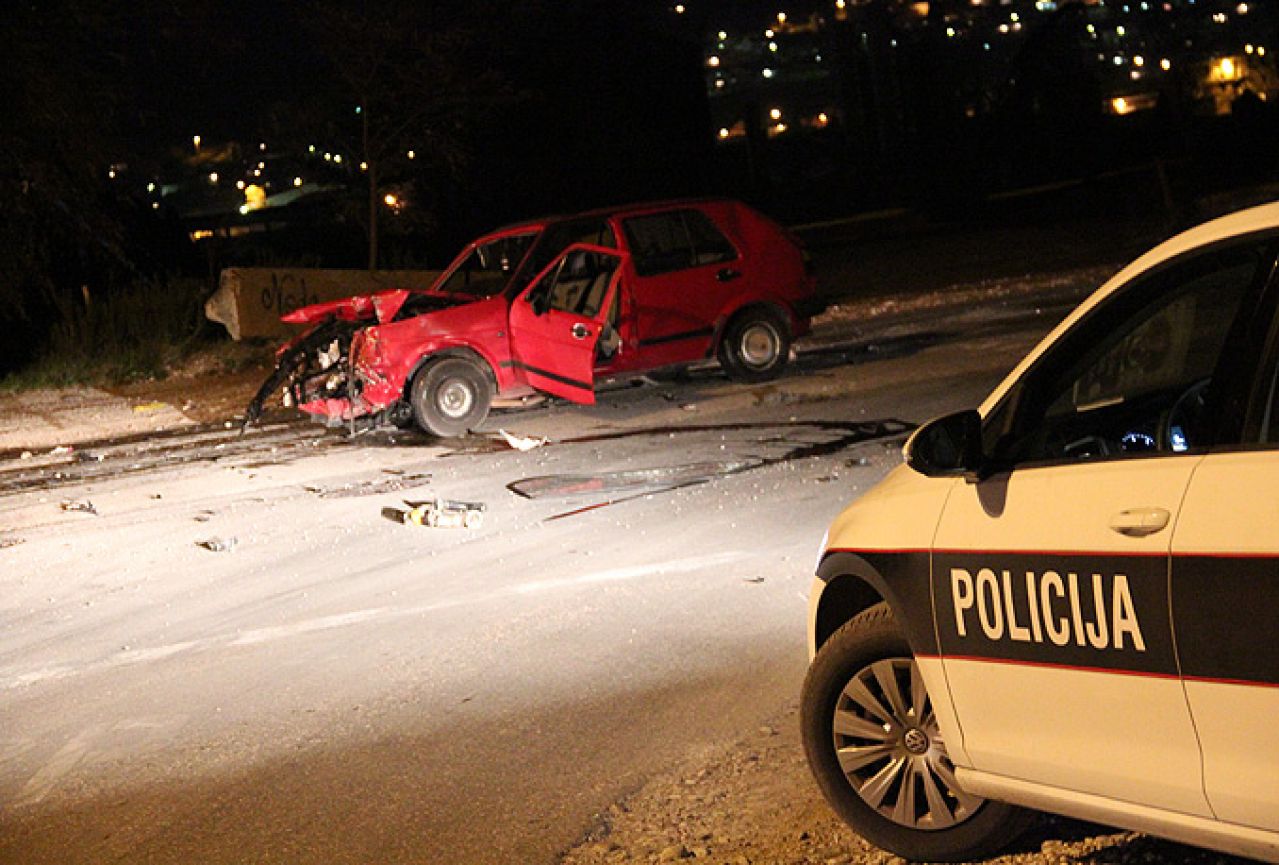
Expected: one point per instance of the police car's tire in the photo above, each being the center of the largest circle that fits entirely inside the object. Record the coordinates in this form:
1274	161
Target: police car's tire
450	397
872	741
755	345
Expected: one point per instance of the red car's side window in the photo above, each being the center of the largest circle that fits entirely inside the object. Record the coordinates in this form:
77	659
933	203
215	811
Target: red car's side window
664	242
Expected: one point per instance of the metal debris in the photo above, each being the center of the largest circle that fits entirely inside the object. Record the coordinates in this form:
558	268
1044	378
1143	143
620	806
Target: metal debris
444	514
218	545
80	505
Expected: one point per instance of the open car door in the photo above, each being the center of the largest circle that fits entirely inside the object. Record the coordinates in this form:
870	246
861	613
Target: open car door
558	321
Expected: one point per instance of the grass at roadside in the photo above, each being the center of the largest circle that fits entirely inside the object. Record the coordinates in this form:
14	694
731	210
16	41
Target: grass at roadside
142	332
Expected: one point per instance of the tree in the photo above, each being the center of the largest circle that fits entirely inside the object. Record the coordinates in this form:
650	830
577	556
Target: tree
405	84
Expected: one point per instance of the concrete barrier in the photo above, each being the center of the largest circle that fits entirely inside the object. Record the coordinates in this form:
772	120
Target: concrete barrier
250	300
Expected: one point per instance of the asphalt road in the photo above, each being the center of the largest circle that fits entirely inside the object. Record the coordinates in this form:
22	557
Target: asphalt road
328	685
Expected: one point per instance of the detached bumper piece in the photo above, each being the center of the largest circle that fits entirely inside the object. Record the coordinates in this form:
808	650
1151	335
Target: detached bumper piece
314	372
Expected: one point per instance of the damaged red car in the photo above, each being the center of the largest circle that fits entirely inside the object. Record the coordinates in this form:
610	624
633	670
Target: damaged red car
556	305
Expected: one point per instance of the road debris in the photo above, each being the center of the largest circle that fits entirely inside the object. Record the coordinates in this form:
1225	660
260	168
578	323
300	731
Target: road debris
5	543
358	488
150	407
522	443
61	450
444	514
218	545
78	505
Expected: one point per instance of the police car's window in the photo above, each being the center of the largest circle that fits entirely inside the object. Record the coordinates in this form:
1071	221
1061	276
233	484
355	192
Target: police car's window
1270	415
1136	377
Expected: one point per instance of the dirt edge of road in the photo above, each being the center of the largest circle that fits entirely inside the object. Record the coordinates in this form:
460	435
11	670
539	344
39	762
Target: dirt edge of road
753	802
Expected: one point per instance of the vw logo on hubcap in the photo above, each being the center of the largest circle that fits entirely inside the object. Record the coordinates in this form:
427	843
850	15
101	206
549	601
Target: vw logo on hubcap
915	741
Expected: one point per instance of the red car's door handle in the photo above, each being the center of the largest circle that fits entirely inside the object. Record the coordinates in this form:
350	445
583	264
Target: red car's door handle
727	273
1137	522
580	331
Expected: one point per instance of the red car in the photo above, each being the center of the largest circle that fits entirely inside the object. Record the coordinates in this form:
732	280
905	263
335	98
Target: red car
554	305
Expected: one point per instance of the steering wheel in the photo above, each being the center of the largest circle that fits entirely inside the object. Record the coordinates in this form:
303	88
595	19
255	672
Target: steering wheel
1183	420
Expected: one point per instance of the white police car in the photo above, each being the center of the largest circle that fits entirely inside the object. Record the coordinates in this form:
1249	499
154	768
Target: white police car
1068	599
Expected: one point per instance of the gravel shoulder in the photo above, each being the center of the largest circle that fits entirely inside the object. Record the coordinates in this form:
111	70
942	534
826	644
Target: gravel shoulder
753	802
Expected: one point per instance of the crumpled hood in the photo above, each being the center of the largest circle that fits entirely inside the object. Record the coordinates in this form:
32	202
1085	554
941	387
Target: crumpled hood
382	305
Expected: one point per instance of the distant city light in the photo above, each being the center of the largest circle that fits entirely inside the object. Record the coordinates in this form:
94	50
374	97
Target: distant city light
364	166
723	132
775	113
213	178
150	187
719	83
781	17
768	73
1261	51
841	4
261	145
1121	31
297	181
1165	64
254	198
337	157
769	34
680	9
1249	48
412	154
155	205
1242	8
1139	61
713	60
391	200
239	184
311	149
111	173
328	157
359	109
950	31
195	140
722	35
772	46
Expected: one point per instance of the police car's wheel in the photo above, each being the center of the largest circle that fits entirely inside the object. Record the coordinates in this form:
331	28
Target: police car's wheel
755	346
872	741
450	397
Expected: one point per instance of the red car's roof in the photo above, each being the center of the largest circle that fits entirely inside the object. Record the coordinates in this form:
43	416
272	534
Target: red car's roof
633	207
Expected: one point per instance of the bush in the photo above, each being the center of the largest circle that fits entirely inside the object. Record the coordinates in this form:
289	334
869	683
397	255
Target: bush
136	332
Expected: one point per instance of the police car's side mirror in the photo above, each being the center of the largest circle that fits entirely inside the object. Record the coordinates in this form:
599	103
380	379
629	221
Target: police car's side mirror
946	446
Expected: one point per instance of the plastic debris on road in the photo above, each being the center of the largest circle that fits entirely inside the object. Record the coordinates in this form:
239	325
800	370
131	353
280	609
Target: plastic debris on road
444	514
522	443
78	505
218	545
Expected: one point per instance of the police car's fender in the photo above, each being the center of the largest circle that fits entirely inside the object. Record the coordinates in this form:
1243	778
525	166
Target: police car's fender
876	550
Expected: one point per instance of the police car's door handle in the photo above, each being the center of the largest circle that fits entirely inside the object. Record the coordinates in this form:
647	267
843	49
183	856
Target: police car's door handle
1136	522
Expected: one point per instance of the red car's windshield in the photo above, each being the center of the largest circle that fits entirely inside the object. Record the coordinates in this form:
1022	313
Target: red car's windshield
485	270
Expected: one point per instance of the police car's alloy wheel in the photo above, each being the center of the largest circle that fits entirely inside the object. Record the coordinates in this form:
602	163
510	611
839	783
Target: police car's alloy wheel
873	744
